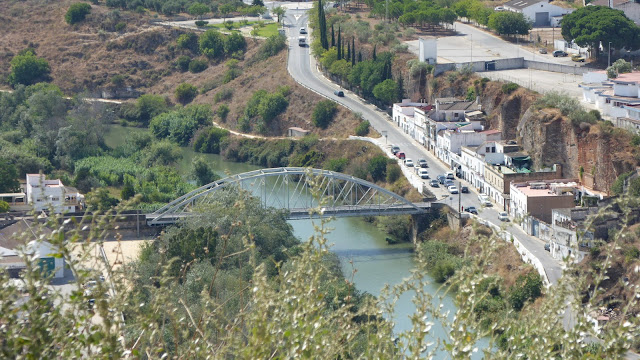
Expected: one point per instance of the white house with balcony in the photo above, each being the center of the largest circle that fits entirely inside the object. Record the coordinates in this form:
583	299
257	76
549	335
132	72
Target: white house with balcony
616	98
450	142
450	114
407	117
474	159
45	194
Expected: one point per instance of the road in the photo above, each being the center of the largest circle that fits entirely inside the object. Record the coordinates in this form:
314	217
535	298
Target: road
302	68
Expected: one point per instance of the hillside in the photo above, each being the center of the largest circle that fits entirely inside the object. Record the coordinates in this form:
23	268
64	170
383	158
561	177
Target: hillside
93	57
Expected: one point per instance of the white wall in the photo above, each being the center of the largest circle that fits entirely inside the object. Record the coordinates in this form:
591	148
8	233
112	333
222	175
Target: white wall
593	77
543	6
630	90
518	202
428	50
631	10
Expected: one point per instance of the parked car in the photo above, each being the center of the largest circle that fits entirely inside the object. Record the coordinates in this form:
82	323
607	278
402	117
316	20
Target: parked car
484	200
303	31
424	174
338	93
441	179
448	182
449	175
408	163
498	8
542	50
547	247
434	183
503	216
471	210
464	190
400	155
559	53
577	58
452	189
395	149
423	163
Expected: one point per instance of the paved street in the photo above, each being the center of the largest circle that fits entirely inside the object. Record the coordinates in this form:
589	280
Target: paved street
302	68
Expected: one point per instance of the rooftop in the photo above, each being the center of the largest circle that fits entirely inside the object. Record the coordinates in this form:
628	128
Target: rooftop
546	188
606	2
521	4
632	77
458	105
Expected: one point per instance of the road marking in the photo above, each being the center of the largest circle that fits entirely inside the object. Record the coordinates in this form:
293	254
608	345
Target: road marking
297	17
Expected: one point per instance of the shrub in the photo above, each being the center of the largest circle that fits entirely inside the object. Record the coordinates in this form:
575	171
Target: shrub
565	103
212	44
223	94
363	128
510	87
208	140
201	23
198	65
185	93
618	185
527	287
77	12
234	42
117	80
223	111
28	69
188	41
183	62
378	167
337	165
121	26
393	172
4	206
323	113
270	47
149	106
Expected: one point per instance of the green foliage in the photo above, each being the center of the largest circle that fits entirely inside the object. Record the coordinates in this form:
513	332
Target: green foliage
202	172
271	47
180	125
336	164
212	44
578	117
386	91
234	42
100	200
223	112
264	106
527	288
363	128
201	23
185	93
618	185
378	167
28	69
4	206
233	71
149	106
183	62
198	9
509	23
77	12
323	113
397	227
393	172
471	93
439	260
188	41
509	87
620	66
591	26
565	103
8	177
634	186
208	140
118	80
223	94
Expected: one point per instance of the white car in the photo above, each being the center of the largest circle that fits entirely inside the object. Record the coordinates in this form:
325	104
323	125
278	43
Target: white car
408	162
503	216
484	200
424	174
452	189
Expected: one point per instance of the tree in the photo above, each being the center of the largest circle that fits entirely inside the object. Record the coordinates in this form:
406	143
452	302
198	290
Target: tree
188	41
212	44
234	42
509	23
339	44
257	3
202	172
8	177
378	167
4	206
280	11
77	12
28	69
594	25
198	9
322	24
225	9
386	91
620	66
185	92
149	106
100	200
323	113
353	50
333	38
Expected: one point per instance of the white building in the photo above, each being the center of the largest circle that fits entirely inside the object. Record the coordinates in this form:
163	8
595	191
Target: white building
538	198
44	194
409	116
615	98
474	159
449	143
449	114
539	12
13	240
629	7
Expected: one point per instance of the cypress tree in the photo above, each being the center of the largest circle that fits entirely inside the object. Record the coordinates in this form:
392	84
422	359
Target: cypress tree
339	44
374	52
348	51
353	51
322	23
333	38
400	87
359	56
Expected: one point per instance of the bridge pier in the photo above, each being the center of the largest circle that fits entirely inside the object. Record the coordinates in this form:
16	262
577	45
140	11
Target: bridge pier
419	222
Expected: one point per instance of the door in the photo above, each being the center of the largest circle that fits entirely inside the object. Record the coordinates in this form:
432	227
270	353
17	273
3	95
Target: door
542	19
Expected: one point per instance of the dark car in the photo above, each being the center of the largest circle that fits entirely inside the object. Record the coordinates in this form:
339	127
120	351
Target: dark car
464	190
547	247
471	210
338	93
434	183
558	53
395	149
423	163
441	179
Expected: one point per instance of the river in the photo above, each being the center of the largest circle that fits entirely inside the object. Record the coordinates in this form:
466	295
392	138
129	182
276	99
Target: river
366	257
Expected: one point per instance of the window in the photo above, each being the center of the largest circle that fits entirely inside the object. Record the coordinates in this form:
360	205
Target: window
55	199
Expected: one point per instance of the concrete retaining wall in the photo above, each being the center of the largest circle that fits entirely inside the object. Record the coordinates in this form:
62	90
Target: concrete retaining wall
566	69
512	63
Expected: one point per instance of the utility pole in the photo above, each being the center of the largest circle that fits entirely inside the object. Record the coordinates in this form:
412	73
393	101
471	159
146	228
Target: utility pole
609	58
471	35
459	197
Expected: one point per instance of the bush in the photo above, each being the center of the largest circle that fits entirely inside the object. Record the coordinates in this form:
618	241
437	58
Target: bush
223	94
378	167
508	88
201	23
28	69
188	41
121	26
185	93
363	128
117	80
4	206
77	12
271	47
183	62
208	140
337	165
527	288
618	185
180	125
393	172
565	103
198	65
234	42
212	44
323	113
223	111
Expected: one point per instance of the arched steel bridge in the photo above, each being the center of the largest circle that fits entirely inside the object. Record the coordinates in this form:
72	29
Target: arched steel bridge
290	188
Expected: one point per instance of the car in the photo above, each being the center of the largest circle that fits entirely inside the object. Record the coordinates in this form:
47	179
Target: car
448	182
424	174
498	8
441	179
408	163
338	93
303	31
547	247
503	216
577	58
464	190
423	163
449	175
452	189
395	149
434	183
400	155
542	50
559	53
484	200
471	210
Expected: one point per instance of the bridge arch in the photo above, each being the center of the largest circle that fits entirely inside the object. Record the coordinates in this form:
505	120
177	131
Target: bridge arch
348	195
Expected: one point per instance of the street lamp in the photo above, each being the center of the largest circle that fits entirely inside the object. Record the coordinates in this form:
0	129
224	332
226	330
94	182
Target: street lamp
609	58
471	35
